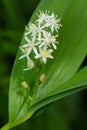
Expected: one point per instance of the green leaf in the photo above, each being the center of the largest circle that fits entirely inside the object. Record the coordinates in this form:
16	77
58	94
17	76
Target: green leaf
75	84
18	75
71	53
63	74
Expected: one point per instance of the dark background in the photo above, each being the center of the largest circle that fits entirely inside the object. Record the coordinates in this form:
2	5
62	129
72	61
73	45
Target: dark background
69	113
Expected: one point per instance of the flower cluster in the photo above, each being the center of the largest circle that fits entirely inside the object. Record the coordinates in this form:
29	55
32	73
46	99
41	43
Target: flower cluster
40	38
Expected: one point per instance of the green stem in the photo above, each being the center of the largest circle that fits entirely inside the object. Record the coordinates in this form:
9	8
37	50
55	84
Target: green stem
6	127
37	82
17	122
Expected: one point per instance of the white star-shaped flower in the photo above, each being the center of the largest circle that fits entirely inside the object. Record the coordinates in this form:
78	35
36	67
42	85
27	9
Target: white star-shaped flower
36	30
25	52
41	38
33	29
44	54
45	40
54	23
48	40
40	30
31	45
42	17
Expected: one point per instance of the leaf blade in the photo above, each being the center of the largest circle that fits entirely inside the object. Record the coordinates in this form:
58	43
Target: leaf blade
24	106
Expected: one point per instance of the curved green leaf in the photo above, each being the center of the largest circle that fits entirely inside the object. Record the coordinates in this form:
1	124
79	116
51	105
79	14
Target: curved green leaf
62	75
72	50
75	84
19	100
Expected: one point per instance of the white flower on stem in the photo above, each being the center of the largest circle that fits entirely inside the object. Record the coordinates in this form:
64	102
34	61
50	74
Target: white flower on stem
40	30
54	23
44	54
36	30
45	40
42	17
48	40
30	45
25	53
41	38
30	64
33	29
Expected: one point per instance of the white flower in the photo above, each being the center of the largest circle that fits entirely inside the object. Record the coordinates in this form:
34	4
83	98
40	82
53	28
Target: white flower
33	29
44	54
53	41
41	38
30	64
54	23
45	40
48	40
25	52
42	17
39	30
30	45
36	30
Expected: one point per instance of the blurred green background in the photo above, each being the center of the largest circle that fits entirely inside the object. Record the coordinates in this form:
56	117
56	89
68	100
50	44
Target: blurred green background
69	113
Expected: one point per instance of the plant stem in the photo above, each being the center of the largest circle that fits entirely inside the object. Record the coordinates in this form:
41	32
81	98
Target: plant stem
6	127
17	122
